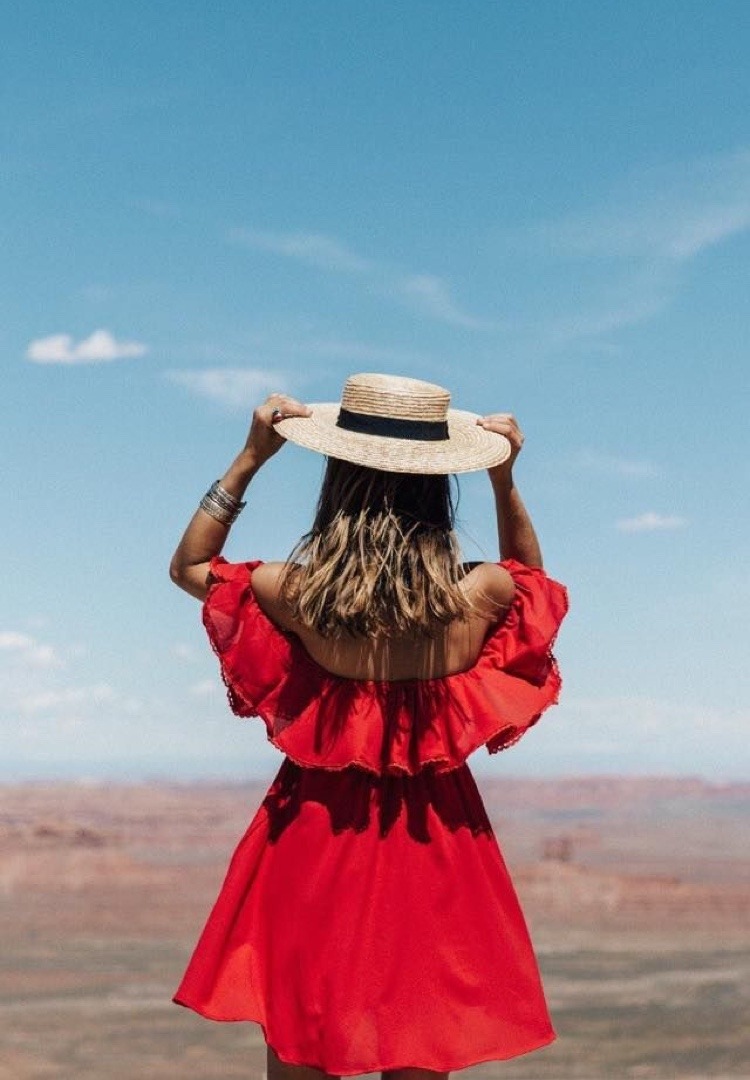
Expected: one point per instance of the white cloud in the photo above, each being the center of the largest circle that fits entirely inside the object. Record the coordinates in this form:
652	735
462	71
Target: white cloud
651	522
28	649
45	701
204	688
44	656
234	388
183	652
99	347
13	639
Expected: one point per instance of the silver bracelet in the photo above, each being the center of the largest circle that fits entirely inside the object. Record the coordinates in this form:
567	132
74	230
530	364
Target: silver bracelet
223	497
221	505
217	511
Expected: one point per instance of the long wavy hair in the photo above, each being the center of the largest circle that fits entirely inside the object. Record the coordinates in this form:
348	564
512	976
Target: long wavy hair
381	558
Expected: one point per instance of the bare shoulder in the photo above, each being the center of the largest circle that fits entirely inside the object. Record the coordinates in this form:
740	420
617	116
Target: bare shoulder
490	588
266	578
266	582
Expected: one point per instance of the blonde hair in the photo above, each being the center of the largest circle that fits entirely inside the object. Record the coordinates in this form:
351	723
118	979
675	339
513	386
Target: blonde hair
381	558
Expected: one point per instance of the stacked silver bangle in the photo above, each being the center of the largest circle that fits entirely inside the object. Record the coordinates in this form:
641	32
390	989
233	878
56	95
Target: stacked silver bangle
221	505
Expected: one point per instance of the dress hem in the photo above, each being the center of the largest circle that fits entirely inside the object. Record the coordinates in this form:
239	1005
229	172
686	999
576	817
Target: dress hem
499	1055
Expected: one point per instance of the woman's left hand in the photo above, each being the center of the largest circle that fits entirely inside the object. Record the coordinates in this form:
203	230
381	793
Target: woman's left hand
205	535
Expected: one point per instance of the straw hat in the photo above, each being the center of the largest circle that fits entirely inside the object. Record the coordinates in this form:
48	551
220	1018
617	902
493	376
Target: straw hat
397	424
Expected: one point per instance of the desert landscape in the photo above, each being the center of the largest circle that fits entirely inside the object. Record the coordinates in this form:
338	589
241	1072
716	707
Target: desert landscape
637	892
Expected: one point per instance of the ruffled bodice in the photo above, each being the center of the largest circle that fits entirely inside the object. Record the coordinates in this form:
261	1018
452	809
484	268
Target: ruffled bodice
323	720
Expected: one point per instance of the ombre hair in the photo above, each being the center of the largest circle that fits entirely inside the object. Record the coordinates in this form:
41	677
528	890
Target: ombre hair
381	558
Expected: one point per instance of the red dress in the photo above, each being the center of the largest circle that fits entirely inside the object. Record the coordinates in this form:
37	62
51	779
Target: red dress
367	920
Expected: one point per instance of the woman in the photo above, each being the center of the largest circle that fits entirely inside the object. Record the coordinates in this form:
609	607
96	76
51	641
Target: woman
367	920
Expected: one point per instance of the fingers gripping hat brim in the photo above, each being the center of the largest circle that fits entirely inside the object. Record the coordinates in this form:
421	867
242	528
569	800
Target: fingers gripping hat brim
467	448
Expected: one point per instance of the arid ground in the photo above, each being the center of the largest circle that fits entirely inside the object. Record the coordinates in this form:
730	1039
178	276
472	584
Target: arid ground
637	893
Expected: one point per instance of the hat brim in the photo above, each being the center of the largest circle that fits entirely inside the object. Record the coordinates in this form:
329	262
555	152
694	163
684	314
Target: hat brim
468	447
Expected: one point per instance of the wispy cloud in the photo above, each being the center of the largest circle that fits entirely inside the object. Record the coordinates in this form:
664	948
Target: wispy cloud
99	347
625	296
28	650
640	239
611	725
282	345
651	522
234	388
316	249
431	295
205	688
611	465
361	351
181	651
46	701
672	213
428	294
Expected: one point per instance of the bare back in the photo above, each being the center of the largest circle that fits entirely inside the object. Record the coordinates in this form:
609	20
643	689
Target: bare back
454	647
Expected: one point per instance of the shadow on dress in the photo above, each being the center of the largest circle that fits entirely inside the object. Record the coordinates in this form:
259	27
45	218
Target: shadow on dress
352	794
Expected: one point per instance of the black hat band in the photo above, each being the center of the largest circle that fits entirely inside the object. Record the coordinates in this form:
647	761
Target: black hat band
393	427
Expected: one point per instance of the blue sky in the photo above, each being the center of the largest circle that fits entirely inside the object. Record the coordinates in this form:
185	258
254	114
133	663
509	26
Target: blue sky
544	207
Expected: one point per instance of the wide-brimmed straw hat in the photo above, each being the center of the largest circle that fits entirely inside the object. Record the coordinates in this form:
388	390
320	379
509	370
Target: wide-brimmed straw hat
397	424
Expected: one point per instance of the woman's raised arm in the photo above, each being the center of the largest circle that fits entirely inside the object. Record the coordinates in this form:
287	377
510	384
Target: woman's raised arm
516	536
206	534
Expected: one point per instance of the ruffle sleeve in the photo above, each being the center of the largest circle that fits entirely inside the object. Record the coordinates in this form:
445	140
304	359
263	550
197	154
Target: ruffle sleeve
325	721
520	649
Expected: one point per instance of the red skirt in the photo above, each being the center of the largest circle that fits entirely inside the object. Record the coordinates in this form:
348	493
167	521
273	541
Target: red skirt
369	923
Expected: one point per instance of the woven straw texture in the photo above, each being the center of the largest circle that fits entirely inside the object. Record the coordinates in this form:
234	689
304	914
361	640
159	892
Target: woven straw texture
467	448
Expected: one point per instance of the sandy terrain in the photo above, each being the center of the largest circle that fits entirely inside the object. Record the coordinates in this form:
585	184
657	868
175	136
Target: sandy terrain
637	893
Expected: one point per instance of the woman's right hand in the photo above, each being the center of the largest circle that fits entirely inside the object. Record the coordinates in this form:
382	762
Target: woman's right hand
507	425
263	441
516	535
